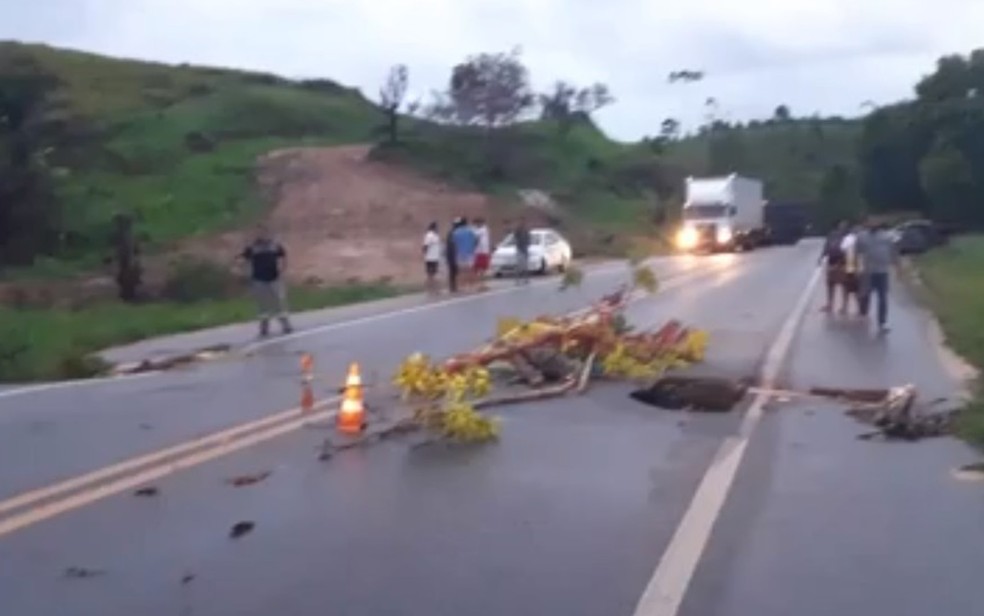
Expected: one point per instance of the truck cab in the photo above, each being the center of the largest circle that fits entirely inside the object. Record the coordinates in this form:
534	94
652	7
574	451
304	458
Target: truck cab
721	214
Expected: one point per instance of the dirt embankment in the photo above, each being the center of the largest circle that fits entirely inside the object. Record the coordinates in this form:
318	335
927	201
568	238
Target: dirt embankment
345	218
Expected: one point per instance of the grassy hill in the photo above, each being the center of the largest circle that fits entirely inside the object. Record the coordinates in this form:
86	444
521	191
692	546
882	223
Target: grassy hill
176	145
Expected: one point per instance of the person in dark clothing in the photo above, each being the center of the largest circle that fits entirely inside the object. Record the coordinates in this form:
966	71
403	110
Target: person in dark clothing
835	260
521	237
451	256
267	260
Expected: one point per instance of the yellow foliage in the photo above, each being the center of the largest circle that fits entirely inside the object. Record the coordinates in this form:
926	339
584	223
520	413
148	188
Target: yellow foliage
644	278
573	277
418	377
694	346
506	325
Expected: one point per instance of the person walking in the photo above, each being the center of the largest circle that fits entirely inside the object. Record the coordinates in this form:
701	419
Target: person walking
465	243
483	253
451	257
851	279
878	255
834	260
521	238
268	260
432	257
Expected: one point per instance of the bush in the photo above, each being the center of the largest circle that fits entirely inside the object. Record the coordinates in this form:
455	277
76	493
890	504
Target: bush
191	280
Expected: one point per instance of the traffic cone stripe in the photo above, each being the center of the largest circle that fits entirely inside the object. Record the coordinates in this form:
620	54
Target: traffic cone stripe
352	410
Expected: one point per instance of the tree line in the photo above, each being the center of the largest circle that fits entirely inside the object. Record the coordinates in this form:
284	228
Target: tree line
927	154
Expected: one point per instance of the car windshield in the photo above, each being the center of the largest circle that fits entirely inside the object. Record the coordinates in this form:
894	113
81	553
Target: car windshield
692	212
536	238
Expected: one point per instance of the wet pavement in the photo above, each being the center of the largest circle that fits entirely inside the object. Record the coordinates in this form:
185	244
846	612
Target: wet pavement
568	514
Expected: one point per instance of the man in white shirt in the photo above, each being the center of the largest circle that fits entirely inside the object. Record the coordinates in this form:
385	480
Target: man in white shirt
432	257
483	251
849	246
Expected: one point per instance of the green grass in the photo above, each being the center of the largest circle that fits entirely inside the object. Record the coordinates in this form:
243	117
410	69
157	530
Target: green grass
42	344
119	133
955	289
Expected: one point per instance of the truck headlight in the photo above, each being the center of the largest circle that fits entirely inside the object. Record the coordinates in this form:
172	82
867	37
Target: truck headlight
724	235
686	238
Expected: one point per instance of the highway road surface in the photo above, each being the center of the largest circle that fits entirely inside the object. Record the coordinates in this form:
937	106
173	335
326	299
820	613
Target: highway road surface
593	506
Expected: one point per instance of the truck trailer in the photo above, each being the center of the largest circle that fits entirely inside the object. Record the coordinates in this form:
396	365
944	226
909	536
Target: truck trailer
785	222
722	214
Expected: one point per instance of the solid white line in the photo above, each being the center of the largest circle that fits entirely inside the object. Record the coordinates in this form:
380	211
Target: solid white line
211	440
30	389
601	269
38	514
668	586
222	442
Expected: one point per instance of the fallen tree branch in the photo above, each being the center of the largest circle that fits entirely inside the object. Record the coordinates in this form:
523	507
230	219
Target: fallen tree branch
585	378
526	396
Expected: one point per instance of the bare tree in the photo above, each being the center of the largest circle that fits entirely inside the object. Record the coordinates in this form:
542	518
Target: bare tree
669	129
491	90
567	102
391	97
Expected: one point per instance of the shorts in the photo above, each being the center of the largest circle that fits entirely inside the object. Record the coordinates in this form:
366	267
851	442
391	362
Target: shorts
482	262
851	282
431	268
835	274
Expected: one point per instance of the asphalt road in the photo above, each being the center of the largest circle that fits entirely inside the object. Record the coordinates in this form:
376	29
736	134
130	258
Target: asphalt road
572	512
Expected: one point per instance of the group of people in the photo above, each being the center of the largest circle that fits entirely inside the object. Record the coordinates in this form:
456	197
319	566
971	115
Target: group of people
467	253
858	260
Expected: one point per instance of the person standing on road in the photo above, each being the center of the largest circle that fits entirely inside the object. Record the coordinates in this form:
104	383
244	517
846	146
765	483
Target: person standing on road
432	257
878	255
521	238
483	252
465	243
834	259
851	280
451	256
268	260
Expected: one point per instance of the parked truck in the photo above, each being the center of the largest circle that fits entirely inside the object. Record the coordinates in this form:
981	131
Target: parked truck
785	222
722	214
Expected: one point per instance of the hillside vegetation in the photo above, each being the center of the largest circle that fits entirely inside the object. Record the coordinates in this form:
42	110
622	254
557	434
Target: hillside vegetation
176	146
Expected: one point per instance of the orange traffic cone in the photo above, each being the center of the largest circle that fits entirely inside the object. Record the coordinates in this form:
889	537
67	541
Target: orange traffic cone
351	415
307	394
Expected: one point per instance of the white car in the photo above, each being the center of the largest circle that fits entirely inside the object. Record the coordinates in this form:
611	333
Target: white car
549	251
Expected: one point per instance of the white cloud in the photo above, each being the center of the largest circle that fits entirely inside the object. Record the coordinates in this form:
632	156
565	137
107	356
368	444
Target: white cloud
823	56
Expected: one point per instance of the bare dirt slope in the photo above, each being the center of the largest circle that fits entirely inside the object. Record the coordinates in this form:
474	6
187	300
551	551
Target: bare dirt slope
343	217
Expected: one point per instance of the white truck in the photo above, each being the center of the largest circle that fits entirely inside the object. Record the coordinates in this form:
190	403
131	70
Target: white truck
722	213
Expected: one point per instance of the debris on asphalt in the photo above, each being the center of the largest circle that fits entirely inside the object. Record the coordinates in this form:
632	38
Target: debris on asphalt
169	362
697	393
970	472
187	578
148	491
81	573
894	413
248	480
240	529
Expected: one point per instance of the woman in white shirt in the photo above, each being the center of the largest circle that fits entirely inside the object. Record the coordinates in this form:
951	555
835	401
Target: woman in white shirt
852	282
432	257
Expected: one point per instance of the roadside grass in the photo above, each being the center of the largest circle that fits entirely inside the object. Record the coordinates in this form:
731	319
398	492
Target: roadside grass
47	344
952	277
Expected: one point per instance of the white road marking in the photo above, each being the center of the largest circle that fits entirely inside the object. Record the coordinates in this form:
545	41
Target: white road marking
85	489
668	586
604	269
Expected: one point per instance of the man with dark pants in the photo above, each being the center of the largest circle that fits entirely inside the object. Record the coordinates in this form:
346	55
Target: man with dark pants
267	259
878	255
521	237
451	256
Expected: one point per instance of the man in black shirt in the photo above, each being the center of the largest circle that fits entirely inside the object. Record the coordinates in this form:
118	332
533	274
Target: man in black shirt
267	259
836	261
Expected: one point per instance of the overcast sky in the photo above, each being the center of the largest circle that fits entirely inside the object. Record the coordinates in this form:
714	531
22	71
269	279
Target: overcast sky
826	56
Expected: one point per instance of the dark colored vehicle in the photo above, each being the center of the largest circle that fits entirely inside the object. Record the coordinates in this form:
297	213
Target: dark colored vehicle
918	236
785	223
